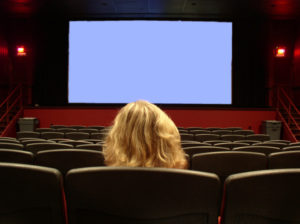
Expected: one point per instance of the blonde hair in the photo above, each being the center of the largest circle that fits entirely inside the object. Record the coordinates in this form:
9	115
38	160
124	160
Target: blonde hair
143	136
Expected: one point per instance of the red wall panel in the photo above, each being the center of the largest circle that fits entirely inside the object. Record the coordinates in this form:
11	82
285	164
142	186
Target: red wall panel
182	117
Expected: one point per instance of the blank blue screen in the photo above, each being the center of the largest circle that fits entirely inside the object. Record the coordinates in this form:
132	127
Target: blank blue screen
165	62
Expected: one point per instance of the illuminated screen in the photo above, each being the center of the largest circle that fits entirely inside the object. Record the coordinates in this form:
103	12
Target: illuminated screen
164	62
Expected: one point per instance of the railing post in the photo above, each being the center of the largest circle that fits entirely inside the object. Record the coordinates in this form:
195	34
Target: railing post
21	97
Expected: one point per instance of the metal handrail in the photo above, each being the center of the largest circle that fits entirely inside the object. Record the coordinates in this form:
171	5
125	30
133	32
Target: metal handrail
289	100
18	87
287	126
285	103
10	103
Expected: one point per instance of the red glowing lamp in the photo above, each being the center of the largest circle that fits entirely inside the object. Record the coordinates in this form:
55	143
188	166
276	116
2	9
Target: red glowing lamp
280	52
21	51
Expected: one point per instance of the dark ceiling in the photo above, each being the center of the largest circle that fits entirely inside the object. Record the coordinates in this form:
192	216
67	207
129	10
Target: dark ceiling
197	9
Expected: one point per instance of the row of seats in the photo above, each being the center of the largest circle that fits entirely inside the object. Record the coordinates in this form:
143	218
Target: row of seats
190	148
265	149
229	137
32	194
77	127
218	132
77	135
221	163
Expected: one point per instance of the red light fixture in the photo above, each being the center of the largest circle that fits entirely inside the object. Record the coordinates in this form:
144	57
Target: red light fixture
21	51
280	52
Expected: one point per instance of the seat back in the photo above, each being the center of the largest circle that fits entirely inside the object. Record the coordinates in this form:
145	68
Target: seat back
10	145
258	137
77	135
66	159
263	197
97	147
30	194
142	195
226	163
233	137
16	156
231	145
203	149
28	134
206	137
273	144
52	135
288	159
261	149
36	147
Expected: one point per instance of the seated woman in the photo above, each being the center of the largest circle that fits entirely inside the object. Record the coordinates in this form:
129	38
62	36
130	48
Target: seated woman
143	136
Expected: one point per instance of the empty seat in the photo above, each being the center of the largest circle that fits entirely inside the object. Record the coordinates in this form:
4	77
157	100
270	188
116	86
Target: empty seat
213	142
212	128
190	129
44	129
222	132
74	142
206	137
77	135
291	148
274	144
142	195
280	141
183	131
263	197
250	142
31	194
38	140
185	136
289	159
226	163
57	126
97	147
95	141
36	147
11	140
52	135
295	144
16	156
77	126
64	130
262	149
10	145
66	159
100	136
243	132
231	145
192	144
197	132
258	137
96	127
233	128
202	149
89	130
28	134
232	137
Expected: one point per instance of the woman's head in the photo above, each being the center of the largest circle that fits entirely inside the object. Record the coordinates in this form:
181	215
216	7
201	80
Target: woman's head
143	136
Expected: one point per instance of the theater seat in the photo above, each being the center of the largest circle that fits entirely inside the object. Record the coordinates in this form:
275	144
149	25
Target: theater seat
142	195
16	156
288	159
66	159
30	195
36	147
226	163
263	197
